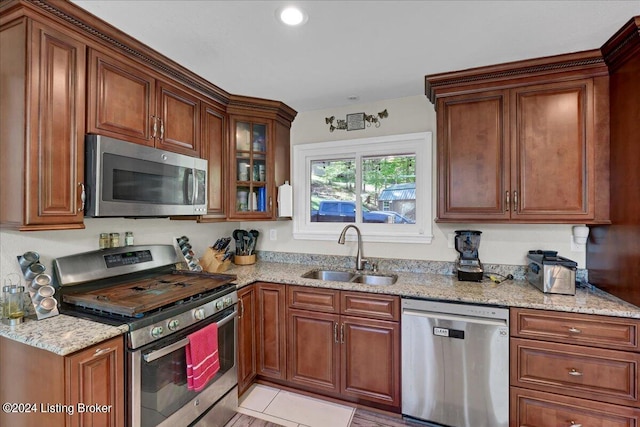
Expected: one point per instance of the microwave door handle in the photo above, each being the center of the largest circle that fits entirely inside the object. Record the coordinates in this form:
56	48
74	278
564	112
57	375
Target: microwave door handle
154	355
188	186
195	186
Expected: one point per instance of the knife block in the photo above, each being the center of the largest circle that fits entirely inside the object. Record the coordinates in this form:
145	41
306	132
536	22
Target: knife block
244	259
212	261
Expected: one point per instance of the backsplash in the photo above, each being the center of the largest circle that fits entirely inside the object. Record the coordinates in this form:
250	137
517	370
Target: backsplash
401	265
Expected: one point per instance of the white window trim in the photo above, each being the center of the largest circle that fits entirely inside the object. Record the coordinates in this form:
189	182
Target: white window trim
418	143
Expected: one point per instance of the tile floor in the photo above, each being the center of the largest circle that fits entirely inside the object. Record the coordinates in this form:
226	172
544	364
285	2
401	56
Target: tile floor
288	409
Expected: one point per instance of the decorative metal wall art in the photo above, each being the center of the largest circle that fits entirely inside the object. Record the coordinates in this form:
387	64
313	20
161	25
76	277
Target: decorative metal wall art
356	121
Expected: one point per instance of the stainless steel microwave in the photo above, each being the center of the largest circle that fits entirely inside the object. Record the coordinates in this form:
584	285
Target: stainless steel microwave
132	180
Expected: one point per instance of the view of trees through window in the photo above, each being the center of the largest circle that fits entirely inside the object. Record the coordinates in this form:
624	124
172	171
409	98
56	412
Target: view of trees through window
387	195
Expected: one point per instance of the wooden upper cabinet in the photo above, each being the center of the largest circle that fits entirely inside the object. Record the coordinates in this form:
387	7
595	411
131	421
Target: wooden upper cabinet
473	156
178	117
42	116
553	151
214	148
524	142
130	102
121	99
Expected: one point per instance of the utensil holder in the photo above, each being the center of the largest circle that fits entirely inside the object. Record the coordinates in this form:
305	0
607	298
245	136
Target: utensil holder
212	261
244	259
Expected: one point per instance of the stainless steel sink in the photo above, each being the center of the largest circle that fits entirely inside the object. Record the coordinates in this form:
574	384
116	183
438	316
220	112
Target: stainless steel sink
332	275
375	279
346	276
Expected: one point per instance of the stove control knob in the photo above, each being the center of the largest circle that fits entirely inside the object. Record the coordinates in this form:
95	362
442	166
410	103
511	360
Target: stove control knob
227	301
198	314
156	331
219	304
173	324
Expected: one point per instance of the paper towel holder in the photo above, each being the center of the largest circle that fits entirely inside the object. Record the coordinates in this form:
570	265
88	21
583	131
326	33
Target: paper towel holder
285	200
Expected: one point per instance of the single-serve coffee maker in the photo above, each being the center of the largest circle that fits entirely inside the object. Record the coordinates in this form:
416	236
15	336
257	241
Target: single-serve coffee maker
468	264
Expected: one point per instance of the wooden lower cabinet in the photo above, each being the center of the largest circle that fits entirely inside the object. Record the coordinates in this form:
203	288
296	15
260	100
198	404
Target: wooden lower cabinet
247	349
63	388
349	357
271	330
570	369
370	360
530	408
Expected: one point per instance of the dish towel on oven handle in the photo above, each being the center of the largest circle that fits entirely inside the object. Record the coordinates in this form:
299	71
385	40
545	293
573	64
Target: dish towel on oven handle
202	357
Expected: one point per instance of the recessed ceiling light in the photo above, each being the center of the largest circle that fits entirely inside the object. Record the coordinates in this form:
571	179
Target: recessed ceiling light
292	15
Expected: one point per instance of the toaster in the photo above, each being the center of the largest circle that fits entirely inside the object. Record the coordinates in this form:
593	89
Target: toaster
550	273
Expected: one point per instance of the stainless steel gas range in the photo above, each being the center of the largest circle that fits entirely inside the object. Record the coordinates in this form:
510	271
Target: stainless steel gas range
138	286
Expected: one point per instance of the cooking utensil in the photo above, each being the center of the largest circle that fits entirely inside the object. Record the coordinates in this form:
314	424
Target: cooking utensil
237	236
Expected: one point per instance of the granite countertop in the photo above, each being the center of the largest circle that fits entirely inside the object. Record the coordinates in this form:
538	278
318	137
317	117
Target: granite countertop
64	335
511	293
61	334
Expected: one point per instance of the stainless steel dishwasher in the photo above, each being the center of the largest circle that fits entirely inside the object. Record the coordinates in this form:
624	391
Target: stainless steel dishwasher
455	364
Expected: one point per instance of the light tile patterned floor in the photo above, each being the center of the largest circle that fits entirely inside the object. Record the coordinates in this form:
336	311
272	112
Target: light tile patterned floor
293	410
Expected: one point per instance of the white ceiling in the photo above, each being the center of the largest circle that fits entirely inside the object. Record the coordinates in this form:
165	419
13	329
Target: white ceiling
374	50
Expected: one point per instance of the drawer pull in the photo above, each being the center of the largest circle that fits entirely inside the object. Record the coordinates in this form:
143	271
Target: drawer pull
573	424
575	373
101	351
575	330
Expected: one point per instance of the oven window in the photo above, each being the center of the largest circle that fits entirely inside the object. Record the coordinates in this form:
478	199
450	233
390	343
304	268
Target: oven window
164	380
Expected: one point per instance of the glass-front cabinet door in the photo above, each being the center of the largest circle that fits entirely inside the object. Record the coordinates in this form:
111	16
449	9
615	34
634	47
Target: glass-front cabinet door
251	169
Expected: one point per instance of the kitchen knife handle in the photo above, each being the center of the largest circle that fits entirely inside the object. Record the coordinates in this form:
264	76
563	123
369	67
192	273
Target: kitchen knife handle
515	201
508	201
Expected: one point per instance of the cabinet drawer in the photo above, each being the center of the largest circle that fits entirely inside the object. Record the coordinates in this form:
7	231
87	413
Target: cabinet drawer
376	306
593	373
304	298
598	331
531	408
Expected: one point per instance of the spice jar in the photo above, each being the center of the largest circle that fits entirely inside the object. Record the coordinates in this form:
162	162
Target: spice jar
128	238
115	240
104	241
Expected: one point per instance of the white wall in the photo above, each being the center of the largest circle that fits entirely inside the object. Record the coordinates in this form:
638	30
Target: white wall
501	244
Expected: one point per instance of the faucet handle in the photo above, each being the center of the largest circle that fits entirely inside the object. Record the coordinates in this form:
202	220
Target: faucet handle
374	266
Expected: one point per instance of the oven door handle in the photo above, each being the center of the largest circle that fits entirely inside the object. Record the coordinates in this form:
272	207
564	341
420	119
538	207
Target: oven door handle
153	355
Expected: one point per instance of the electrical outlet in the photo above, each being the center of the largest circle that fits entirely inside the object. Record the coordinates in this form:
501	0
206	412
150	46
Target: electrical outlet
273	234
451	238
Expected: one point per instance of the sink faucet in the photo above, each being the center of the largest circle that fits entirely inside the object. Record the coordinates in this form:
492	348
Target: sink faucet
360	262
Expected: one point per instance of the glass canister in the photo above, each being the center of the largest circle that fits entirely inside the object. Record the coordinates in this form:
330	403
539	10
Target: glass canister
128	238
115	240
12	304
104	241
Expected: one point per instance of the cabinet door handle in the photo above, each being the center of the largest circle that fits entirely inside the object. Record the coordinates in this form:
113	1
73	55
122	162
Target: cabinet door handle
83	196
573	424
342	333
161	128
101	351
507	201
241	309
270	202
155	126
335	332
575	373
515	201
575	330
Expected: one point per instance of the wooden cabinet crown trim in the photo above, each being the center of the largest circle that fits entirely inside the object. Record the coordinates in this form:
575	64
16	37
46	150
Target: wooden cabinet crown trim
105	33
504	75
622	44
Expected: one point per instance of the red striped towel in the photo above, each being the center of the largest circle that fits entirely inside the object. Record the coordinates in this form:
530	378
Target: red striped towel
202	357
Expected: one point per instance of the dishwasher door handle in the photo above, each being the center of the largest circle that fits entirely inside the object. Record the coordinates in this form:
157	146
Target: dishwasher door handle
455	318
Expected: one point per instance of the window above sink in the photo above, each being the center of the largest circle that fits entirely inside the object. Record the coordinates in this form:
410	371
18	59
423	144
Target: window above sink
382	184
